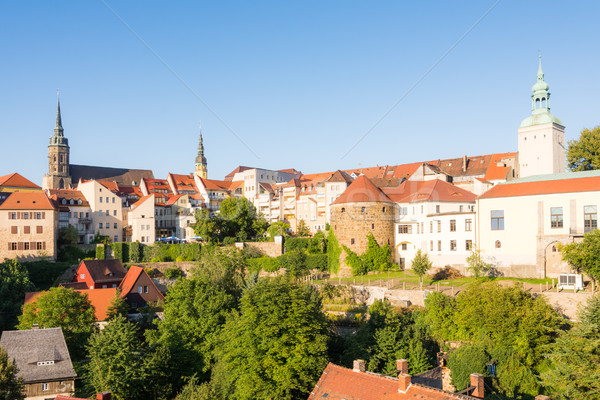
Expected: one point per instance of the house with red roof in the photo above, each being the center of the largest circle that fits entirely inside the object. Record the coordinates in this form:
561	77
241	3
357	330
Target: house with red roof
522	222
138	290
97	274
74	210
16	182
339	383
28	226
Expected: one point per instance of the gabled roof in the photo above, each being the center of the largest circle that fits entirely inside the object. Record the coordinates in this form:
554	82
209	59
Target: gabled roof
68	194
434	190
142	200
27	201
241	168
173	199
128	283
99	298
340	176
568	182
362	190
123	176
104	270
212	184
339	383
28	347
16	180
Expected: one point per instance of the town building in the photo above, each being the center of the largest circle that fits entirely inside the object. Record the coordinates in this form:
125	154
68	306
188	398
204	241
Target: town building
17	183
522	222
106	207
43	360
29	226
141	221
339	383
74	210
138	290
98	274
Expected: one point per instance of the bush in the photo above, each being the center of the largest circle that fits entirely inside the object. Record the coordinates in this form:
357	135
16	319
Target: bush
355	263
135	252
268	264
464	361
45	274
296	243
446	273
333	253
228	241
162	252
73	254
294	263
120	251
316	261
317	244
173	273
100	251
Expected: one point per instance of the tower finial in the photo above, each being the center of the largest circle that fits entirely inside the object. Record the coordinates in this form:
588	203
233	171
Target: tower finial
200	169
58	129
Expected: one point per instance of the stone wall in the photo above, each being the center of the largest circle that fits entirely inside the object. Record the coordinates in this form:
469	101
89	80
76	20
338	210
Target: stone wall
271	249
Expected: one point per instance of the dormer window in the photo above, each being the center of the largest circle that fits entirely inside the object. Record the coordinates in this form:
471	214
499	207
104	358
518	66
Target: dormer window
64	201
40	363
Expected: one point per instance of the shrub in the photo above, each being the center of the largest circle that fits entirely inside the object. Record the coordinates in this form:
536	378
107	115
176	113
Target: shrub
316	261
333	253
100	252
120	251
355	263
296	243
317	244
229	241
135	252
294	262
173	273
268	264
464	361
446	273
73	254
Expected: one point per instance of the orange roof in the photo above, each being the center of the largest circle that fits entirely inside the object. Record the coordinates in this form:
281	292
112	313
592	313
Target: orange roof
434	190
241	168
547	186
128	283
338	383
99	298
362	190
173	199
110	185
17	181
318	177
141	201
212	184
68	194
27	201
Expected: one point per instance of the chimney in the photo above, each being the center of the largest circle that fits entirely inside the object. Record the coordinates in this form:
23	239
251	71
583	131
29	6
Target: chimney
477	382
35	326
359	366
464	163
404	381
103	396
402	366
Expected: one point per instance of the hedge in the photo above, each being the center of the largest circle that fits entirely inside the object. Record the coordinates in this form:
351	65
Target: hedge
269	264
160	252
100	255
317	261
135	252
296	244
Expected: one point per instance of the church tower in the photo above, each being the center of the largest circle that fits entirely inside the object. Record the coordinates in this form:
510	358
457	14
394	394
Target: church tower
541	135
200	169
58	176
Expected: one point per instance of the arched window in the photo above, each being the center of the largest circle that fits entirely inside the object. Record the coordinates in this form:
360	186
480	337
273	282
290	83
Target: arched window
554	249
343	209
498	244
362	209
61	184
543	102
383	210
537	103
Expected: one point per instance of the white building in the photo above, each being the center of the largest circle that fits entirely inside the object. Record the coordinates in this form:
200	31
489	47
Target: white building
142	221
521	222
106	209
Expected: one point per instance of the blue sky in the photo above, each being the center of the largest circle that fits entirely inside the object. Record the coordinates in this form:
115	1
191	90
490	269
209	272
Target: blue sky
298	82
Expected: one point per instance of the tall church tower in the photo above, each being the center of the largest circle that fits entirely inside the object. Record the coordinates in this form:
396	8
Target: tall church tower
201	165
58	176
541	135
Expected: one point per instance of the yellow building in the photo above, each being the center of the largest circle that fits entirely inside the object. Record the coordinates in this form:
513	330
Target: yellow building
17	183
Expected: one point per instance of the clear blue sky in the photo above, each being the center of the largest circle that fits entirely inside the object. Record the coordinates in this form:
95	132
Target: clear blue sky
299	82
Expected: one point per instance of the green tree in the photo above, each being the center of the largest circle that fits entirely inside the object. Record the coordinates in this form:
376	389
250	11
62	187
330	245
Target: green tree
585	255
14	283
68	236
273	349
222	267
575	358
294	263
11	386
420	265
302	229
118	306
65	308
317	244
194	390
194	314
584	154
237	218
278	228
333	252
476	264
466	360
356	264
116	360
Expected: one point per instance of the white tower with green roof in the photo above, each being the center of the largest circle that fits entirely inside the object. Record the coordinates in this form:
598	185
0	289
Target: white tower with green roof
541	135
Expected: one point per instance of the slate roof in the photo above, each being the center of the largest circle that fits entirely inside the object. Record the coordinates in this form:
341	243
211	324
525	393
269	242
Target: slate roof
339	383
16	180
434	190
100	270
362	190
29	347
123	176
27	201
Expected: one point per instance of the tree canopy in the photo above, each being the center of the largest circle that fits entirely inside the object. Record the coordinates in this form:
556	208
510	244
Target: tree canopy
11	386
14	283
65	308
585	255
274	345
421	264
584	154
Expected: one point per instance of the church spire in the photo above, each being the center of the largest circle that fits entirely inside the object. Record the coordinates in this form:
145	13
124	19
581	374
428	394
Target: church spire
540	99
58	129
201	165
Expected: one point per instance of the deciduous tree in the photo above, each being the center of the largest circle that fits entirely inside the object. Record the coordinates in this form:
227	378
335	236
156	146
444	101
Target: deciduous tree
421	264
585	255
14	283
11	386
584	154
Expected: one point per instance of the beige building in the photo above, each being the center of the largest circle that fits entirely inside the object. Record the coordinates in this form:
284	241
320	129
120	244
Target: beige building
28	226
106	208
142	221
74	210
521	223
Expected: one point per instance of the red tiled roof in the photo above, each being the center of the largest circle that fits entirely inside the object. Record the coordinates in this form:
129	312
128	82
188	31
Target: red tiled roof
68	194
110	185
141	201
212	184
17	181
573	185
173	199
434	190
27	201
362	190
339	383
127	285
99	298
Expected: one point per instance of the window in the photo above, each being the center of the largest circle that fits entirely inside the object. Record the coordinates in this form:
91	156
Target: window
14	230
418	231
113	200
100	225
40	245
343	209
404	229
142	228
12	246
590	218
44	387
383	209
145	289
430	226
403	210
139	289
431	245
497	220
81	276
498	244
38	215
115	225
115	213
362	209
352	241
107	199
468	225
452	225
13	215
421	208
107	213
439	224
439	245
115	238
100	198
143	239
372	226
26	246
422	227
437	209
453	245
100	212
468	245
556	217
460	208
404	246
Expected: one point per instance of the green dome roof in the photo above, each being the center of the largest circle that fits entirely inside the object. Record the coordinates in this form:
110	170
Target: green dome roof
540	85
539	119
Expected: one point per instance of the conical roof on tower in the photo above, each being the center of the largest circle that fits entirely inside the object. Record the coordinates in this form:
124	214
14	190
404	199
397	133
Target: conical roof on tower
362	190
58	129
540	102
